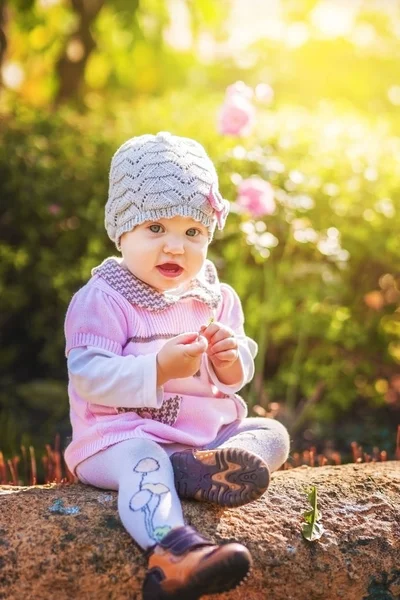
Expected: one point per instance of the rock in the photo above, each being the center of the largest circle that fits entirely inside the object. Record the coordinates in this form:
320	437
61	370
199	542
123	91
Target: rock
66	542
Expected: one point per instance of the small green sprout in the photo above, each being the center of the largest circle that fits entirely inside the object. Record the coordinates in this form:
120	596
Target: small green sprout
312	529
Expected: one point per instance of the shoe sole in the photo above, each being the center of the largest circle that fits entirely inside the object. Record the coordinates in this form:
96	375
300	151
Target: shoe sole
214	579
225	476
219	578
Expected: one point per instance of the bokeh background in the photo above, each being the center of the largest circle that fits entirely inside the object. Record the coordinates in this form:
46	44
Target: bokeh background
307	148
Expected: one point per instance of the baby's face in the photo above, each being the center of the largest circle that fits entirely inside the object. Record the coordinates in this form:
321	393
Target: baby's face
165	253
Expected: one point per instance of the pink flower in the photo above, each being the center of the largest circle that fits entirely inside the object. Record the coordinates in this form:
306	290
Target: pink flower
236	116
220	206
264	93
256	196
240	88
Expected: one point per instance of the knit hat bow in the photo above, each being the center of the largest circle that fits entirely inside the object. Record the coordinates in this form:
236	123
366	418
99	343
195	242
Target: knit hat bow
220	206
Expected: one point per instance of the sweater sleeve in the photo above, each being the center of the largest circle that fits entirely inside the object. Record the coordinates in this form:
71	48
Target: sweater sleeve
96	333
95	318
101	377
231	314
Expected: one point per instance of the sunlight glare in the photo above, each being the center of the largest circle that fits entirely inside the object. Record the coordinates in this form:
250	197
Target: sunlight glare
13	75
333	18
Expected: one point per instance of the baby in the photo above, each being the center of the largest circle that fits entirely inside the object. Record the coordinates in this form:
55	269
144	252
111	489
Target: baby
156	354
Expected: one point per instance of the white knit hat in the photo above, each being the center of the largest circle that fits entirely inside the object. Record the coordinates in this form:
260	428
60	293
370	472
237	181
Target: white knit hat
162	176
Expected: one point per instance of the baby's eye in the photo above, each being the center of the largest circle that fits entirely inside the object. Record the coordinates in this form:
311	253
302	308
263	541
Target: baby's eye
192	232
155	228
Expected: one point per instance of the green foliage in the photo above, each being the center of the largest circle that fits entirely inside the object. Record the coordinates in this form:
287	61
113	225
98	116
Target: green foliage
326	290
327	348
49	219
319	279
312	529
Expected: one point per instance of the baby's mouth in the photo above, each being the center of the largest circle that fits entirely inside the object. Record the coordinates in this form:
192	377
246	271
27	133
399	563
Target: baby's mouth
170	269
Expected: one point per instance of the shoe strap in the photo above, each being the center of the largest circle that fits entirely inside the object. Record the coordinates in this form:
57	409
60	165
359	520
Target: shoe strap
181	539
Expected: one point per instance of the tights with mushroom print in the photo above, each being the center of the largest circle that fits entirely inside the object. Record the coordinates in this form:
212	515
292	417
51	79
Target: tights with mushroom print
148	498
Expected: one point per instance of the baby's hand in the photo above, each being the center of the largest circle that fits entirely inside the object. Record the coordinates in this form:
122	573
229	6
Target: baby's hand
180	357
222	344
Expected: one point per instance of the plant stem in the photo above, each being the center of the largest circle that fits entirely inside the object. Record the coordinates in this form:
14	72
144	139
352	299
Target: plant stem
295	368
256	385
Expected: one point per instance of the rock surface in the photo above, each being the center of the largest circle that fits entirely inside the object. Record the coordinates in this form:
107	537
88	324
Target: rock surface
66	542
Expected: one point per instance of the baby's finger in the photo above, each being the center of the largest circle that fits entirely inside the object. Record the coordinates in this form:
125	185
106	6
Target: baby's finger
222	334
185	338
210	330
225	344
226	356
197	347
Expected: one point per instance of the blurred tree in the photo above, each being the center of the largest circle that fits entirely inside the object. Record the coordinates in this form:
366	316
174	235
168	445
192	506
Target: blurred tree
131	16
66	50
3	34
78	46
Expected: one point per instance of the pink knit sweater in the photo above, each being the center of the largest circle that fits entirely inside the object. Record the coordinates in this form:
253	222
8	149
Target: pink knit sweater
122	323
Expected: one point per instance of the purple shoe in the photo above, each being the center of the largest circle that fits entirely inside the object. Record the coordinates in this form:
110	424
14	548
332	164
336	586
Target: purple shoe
225	476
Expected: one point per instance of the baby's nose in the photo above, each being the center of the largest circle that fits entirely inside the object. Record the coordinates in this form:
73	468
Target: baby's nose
174	245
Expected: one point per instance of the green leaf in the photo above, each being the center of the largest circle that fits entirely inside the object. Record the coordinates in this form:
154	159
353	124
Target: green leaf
312	529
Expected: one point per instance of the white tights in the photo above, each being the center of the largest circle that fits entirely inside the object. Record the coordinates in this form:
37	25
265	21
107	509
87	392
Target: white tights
141	471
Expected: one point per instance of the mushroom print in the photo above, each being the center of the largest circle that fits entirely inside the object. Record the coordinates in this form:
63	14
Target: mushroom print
148	498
